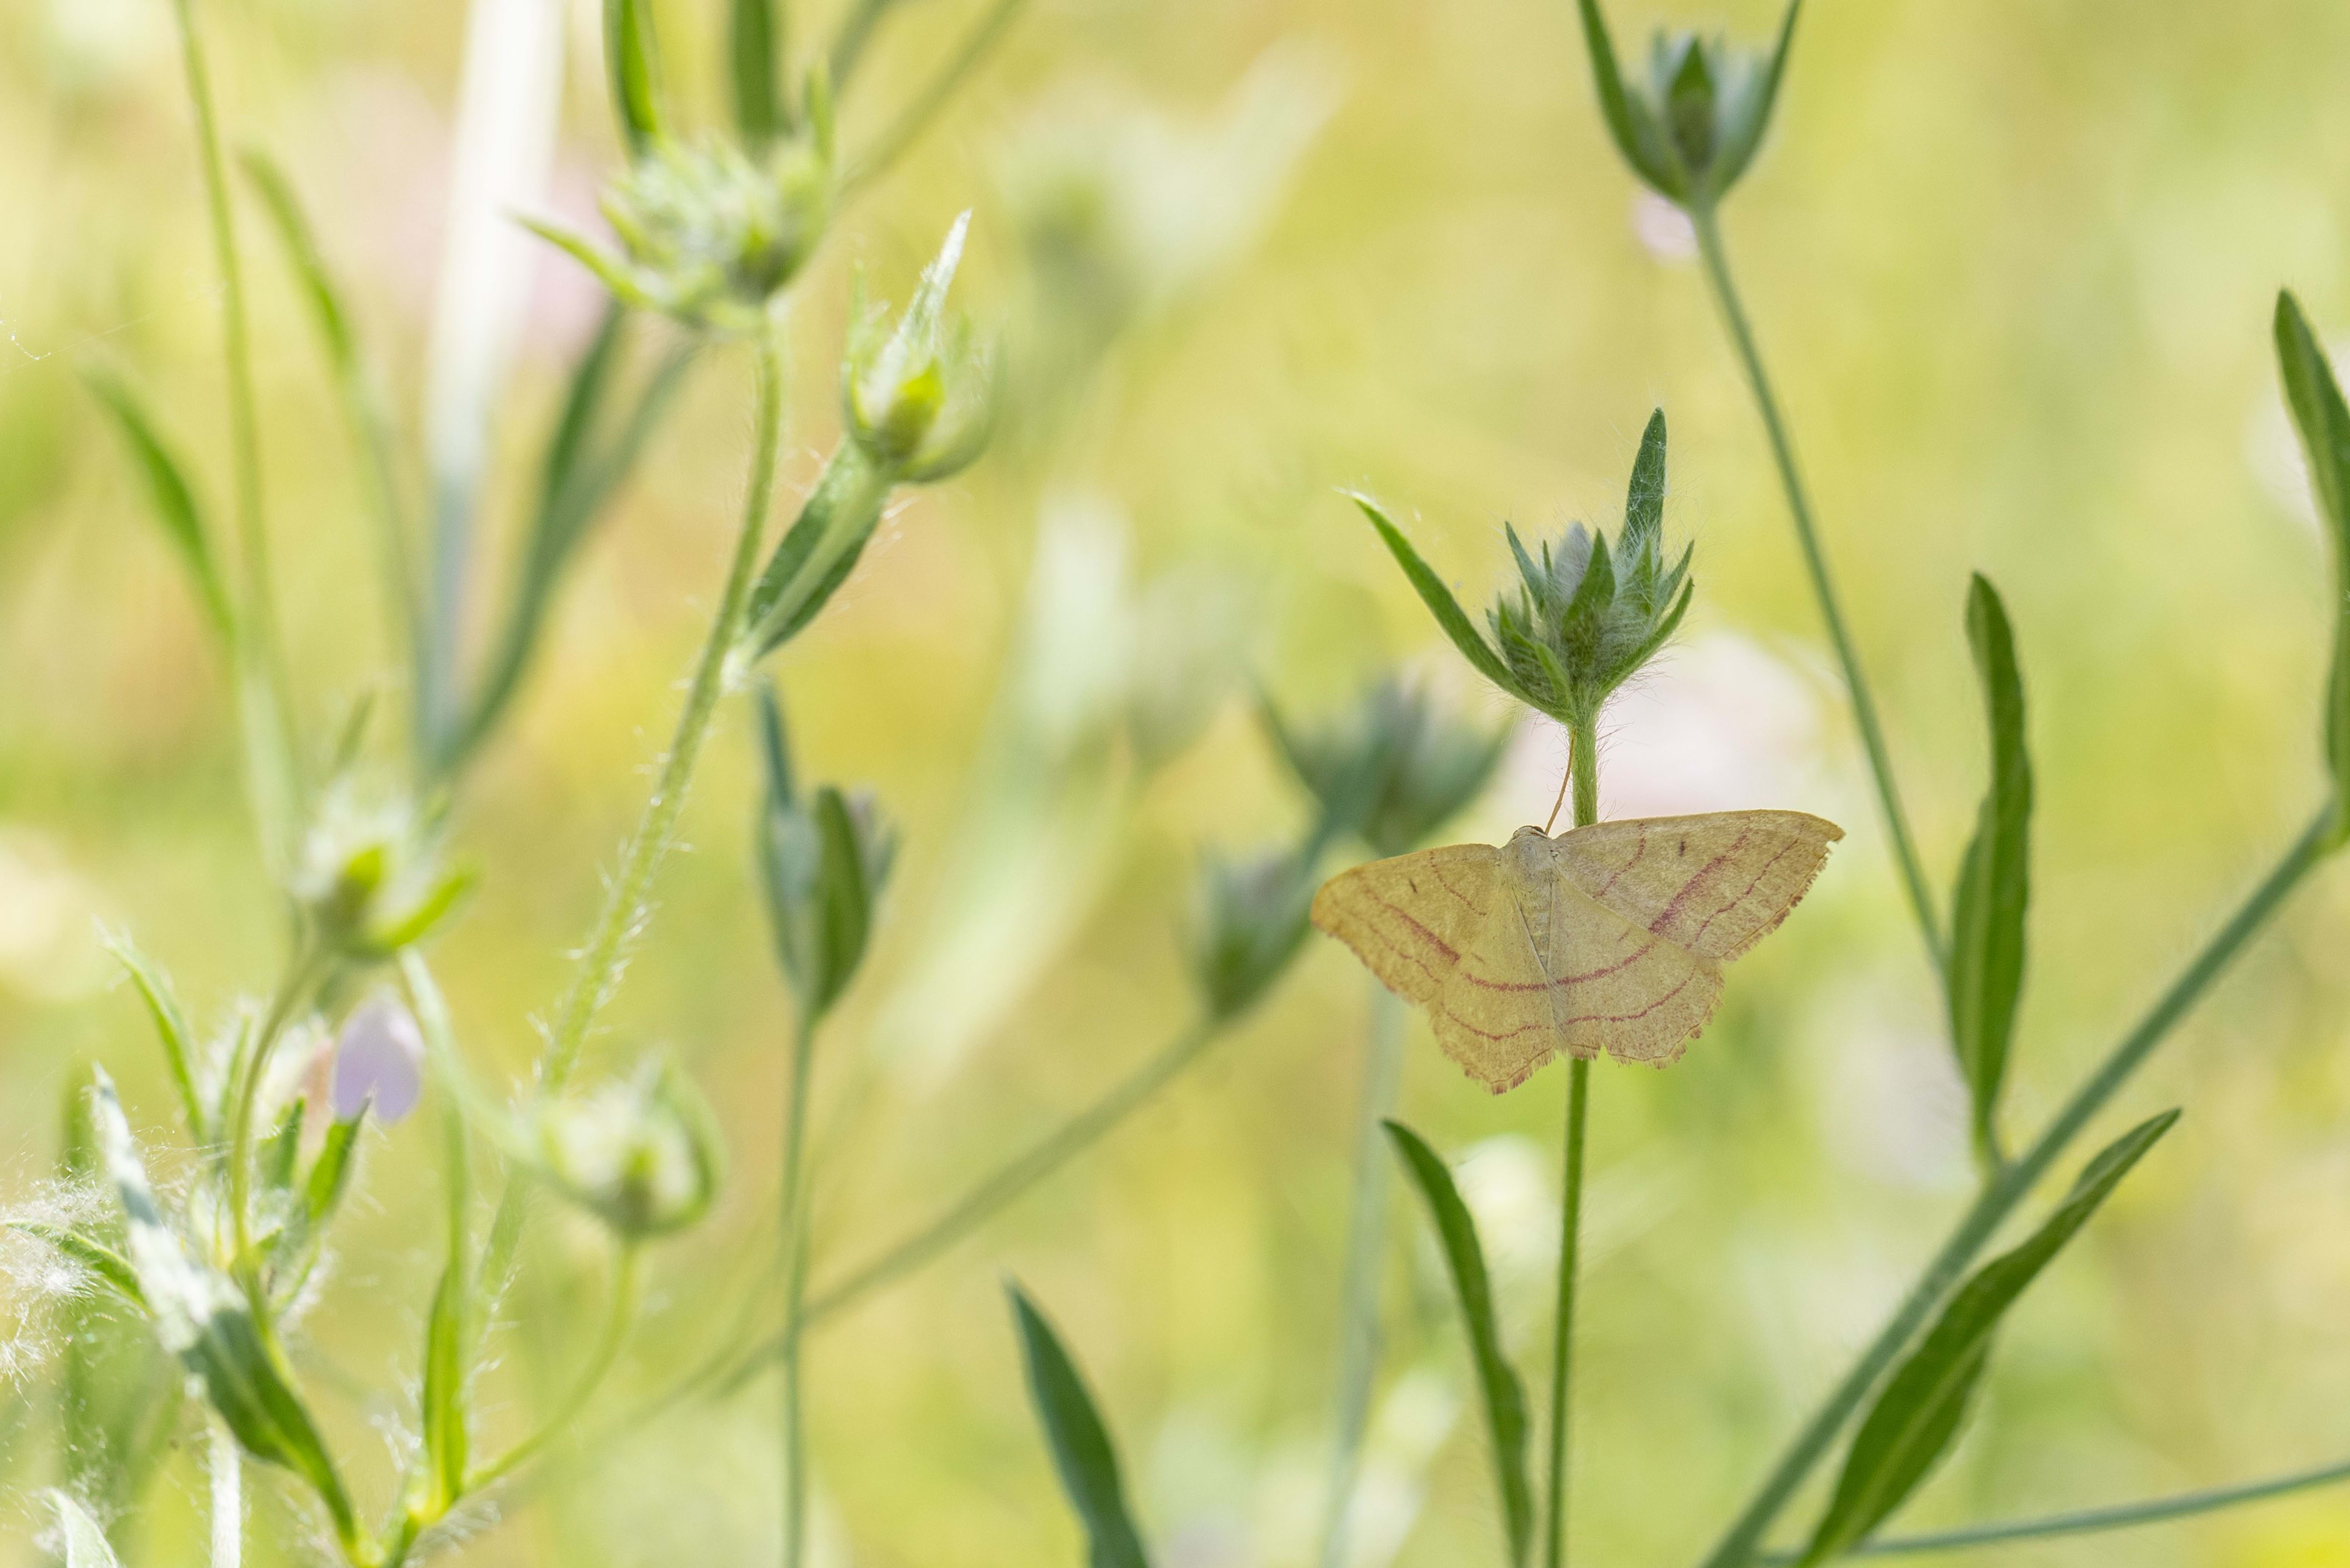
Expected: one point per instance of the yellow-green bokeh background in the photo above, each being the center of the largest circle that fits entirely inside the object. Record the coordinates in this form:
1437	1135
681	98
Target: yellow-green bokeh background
2013	266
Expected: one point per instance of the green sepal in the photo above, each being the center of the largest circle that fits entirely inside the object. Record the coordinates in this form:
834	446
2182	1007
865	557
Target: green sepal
1995	889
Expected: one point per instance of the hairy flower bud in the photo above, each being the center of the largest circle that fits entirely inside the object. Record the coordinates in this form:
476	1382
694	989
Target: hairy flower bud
822	862
1390	769
1251	922
368	882
641	1155
920	398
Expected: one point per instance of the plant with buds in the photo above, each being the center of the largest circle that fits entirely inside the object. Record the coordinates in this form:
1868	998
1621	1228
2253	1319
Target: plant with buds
1250	923
1690	130
368	883
822	860
1391	769
640	1154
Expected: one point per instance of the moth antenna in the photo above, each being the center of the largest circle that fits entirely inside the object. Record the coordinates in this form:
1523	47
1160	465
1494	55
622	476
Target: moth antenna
1564	774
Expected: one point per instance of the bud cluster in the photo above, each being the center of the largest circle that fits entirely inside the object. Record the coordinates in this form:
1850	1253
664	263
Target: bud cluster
1690	130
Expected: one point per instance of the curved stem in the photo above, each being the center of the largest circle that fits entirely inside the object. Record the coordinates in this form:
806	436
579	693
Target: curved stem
1863	707
2082	1522
259	651
794	1259
1584	764
1739	1545
1358	1326
617	1324
1009	1180
916	117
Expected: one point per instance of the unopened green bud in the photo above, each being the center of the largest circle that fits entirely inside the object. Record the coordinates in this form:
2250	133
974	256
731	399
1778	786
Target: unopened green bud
368	882
920	398
641	1155
1691	129
1252	920
713	235
1392	768
823	862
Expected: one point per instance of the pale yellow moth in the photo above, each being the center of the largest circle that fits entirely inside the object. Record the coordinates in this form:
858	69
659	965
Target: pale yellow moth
1607	938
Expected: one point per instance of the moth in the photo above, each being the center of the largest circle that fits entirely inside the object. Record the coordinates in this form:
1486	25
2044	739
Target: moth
1608	937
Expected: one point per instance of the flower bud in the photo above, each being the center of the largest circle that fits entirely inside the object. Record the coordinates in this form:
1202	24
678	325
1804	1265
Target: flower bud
1692	128
642	1156
712	234
368	883
921	399
1585	618
1252	920
1390	770
821	863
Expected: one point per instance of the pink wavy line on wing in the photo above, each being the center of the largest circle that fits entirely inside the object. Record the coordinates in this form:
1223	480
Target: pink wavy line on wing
1733	903
1562	1023
1566	980
1689	887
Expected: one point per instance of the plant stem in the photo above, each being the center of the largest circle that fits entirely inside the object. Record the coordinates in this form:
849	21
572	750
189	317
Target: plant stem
1009	1181
1358	1328
2012	1184
620	1318
1584	765
2120	1516
625	903
794	1259
260	656
855	32
226	1468
292	992
1863	707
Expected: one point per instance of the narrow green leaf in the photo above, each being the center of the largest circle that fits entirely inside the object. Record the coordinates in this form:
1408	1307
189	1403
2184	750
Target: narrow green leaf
819	550
1438	600
629	60
281	1157
1082	1450
1923	1405
847	912
445	1437
301	247
169	493
2315	399
1988	907
1751	119
109	1267
86	1544
1644	500
1629	121
171	1028
1505	1398
330	1173
754	41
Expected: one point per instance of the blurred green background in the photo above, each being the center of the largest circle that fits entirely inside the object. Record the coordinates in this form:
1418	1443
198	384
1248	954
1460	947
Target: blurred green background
2014	268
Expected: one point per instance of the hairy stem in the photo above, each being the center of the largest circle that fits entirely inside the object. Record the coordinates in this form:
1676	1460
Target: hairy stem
293	993
1358	1326
617	1320
1815	562
2083	1522
2000	1198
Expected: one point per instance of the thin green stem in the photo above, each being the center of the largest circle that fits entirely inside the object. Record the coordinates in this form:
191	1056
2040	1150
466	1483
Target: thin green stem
794	1260
296	990
618	1320
1359	1318
855	32
225	1465
1584	765
1009	1181
625	901
1815	562
624	904
258	644
915	118
2088	1520
2000	1198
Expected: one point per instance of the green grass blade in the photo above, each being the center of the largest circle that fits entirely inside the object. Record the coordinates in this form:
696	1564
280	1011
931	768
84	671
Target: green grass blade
1439	599
1920	1410
754	39
1082	1450
167	491
629	60
2318	410
171	1030
1504	1396
1995	887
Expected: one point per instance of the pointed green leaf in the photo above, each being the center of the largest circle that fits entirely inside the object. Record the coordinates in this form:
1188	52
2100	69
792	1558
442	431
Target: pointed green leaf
171	1028
754	38
847	912
443	1401
1082	1450
104	1264
1505	1398
330	1173
281	1157
1923	1405
1593	595
2315	399
1644	501
1439	599
1629	123
1750	120
629	60
169	493
1987	916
